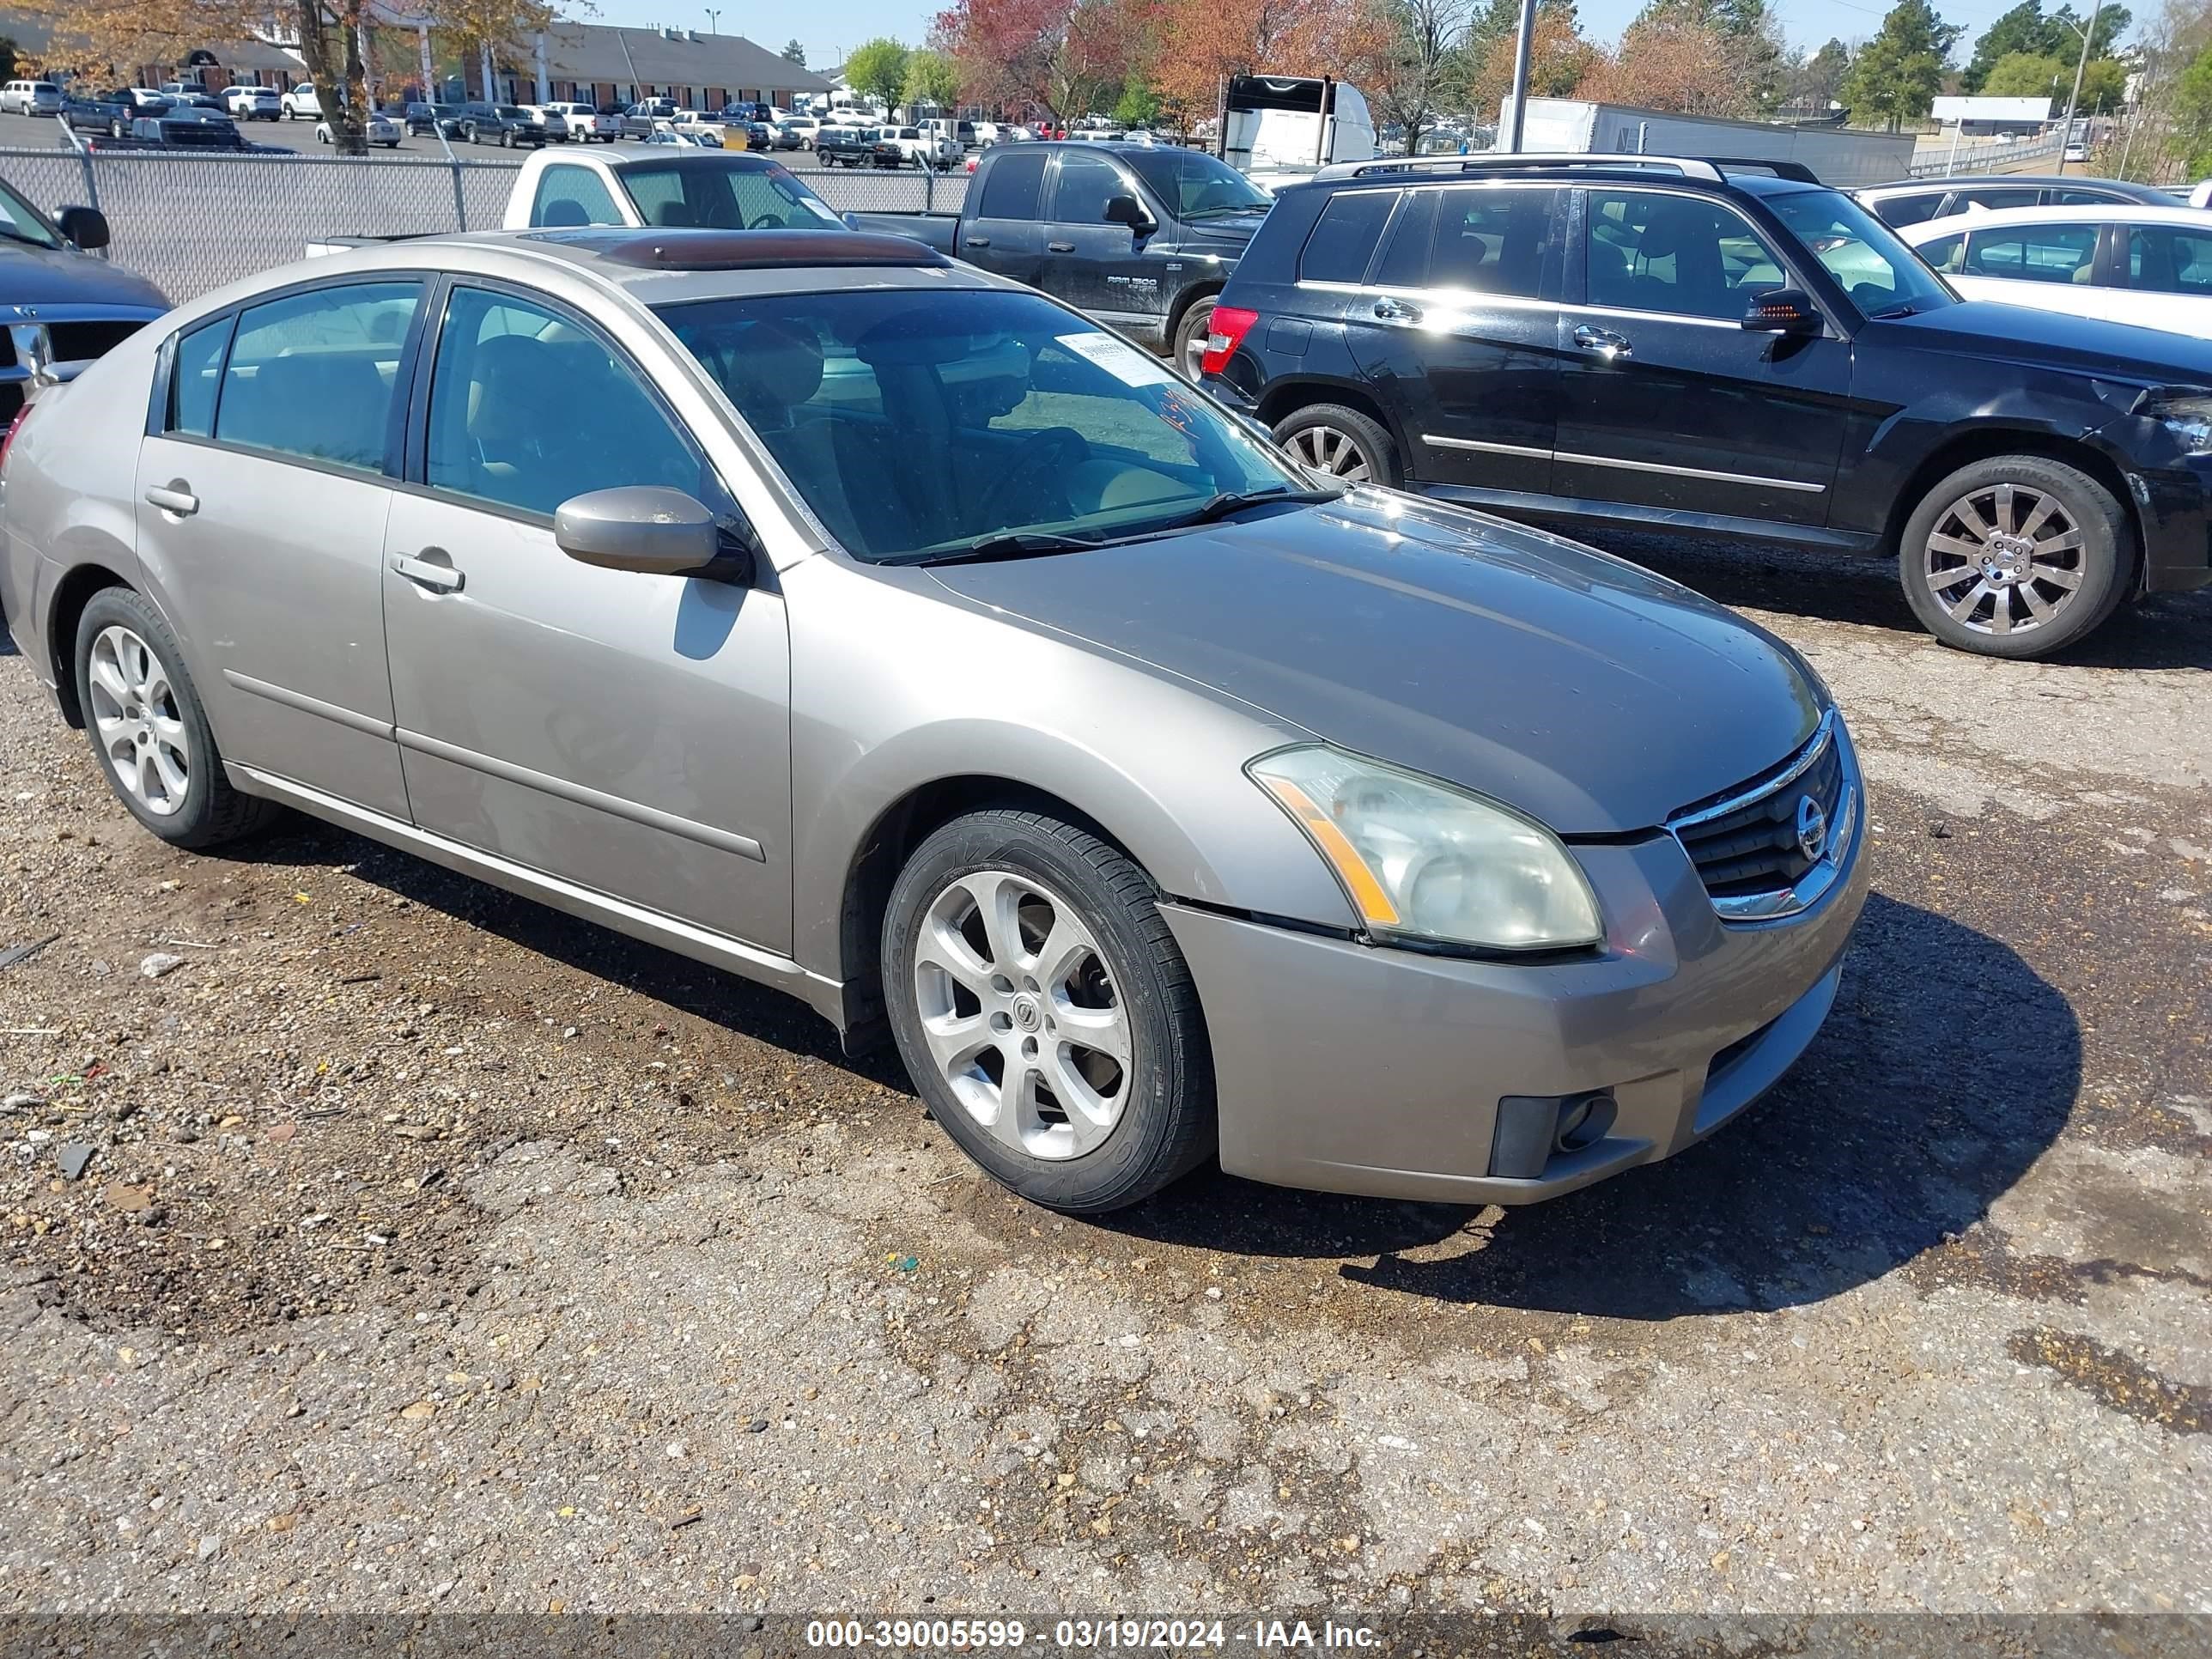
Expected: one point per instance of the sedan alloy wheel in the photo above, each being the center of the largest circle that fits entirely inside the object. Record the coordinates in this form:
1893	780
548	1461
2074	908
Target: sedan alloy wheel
141	728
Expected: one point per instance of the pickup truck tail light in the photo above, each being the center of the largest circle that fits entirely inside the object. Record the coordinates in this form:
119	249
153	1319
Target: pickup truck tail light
1227	330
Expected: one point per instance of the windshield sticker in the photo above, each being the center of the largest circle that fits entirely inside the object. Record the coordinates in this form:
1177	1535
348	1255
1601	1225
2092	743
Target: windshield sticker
1118	358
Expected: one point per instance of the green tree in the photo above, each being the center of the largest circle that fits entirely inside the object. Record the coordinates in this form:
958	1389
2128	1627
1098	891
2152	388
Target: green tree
877	68
1897	74
1813	84
795	51
1138	106
2027	75
2026	29
2192	113
2103	86
2111	23
931	78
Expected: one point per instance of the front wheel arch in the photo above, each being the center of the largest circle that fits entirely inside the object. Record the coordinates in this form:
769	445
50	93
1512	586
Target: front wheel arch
1985	443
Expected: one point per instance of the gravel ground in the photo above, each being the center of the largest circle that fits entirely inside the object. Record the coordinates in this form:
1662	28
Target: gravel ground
434	1252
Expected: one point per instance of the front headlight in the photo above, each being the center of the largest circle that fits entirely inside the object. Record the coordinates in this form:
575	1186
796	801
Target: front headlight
2186	414
1420	860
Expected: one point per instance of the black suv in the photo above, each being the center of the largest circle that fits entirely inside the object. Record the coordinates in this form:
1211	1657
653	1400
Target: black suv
506	125
1726	348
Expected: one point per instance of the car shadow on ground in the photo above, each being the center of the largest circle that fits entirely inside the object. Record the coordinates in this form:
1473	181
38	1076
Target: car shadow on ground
2163	630
1912	1114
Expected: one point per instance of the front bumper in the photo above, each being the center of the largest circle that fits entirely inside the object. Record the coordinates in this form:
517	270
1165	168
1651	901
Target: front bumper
2174	507
1347	1067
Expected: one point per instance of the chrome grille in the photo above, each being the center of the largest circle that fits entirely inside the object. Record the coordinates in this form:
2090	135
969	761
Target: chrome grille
1749	843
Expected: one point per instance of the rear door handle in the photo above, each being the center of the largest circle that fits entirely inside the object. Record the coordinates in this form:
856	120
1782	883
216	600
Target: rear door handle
1396	311
436	574
979	241
1603	341
1060	247
175	496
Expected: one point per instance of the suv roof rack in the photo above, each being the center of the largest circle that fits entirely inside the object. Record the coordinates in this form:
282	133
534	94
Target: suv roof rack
1707	169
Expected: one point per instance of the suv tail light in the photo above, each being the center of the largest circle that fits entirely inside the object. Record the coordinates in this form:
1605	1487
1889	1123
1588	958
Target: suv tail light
1229	326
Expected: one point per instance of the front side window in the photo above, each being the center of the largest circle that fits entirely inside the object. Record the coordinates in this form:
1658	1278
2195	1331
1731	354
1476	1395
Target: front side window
1676	255
195	377
313	375
2167	260
1085	185
20	221
574	195
723	197
1196	185
1493	241
916	423
2033	253
528	408
1946	254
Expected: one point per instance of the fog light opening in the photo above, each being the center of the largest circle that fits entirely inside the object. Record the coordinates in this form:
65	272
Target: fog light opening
1584	1119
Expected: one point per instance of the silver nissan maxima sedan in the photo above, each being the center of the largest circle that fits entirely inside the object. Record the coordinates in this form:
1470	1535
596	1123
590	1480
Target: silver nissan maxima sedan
884	631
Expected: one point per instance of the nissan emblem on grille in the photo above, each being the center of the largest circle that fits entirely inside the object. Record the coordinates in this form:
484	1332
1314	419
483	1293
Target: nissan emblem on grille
1812	829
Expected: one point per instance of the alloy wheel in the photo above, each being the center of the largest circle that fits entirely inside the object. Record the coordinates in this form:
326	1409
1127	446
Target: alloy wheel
2004	558
142	729
1022	1015
1325	449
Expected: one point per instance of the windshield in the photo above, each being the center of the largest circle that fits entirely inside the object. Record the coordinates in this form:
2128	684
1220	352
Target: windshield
1884	278
20	221
720	197
917	423
1196	185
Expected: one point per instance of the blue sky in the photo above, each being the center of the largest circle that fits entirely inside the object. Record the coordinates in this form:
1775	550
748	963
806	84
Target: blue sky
829	32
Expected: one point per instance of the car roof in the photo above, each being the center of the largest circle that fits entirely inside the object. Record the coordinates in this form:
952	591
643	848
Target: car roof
1721	174
2125	213
2024	181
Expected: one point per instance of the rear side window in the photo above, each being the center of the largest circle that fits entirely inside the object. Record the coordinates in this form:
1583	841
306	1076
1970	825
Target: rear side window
1406	260
2033	253
1908	210
1494	240
1344	237
195	377
1014	186
574	195
312	374
2078	197
1994	197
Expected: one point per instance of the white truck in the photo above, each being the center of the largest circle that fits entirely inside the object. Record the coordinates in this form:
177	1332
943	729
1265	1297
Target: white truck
1575	126
584	122
1282	128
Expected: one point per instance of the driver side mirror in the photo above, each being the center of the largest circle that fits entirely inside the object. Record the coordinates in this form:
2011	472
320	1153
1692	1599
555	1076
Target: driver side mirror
653	531
1781	311
82	227
1128	211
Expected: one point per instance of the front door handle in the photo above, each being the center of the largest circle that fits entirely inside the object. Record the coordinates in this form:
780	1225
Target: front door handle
433	570
1603	341
1396	311
1060	247
175	497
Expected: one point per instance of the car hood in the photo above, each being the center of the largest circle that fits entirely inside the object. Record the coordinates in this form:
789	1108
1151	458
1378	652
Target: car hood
1590	693
41	276
2026	334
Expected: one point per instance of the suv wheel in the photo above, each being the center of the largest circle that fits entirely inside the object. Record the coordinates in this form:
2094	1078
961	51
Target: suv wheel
2016	557
146	727
1190	353
1045	1013
1341	443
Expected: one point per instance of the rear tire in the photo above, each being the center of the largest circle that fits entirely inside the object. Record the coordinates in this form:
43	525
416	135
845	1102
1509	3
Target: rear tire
1085	1084
140	704
2016	557
1341	443
1189	347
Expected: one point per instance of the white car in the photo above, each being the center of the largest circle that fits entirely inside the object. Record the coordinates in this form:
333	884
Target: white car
584	122
301	102
921	147
2147	266
805	125
31	98
382	130
253	103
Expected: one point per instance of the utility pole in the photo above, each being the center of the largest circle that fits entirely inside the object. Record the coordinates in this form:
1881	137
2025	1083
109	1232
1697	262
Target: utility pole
1522	42
2080	69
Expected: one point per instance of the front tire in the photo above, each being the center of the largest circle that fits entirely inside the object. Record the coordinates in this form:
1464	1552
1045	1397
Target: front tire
1341	443
1189	347
147	729
1045	1013
2016	557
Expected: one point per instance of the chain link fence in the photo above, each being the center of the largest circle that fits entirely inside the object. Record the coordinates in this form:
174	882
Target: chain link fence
193	223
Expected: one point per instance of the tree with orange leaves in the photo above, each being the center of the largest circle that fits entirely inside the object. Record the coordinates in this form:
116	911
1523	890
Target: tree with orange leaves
1560	59
1066	56
1200	42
